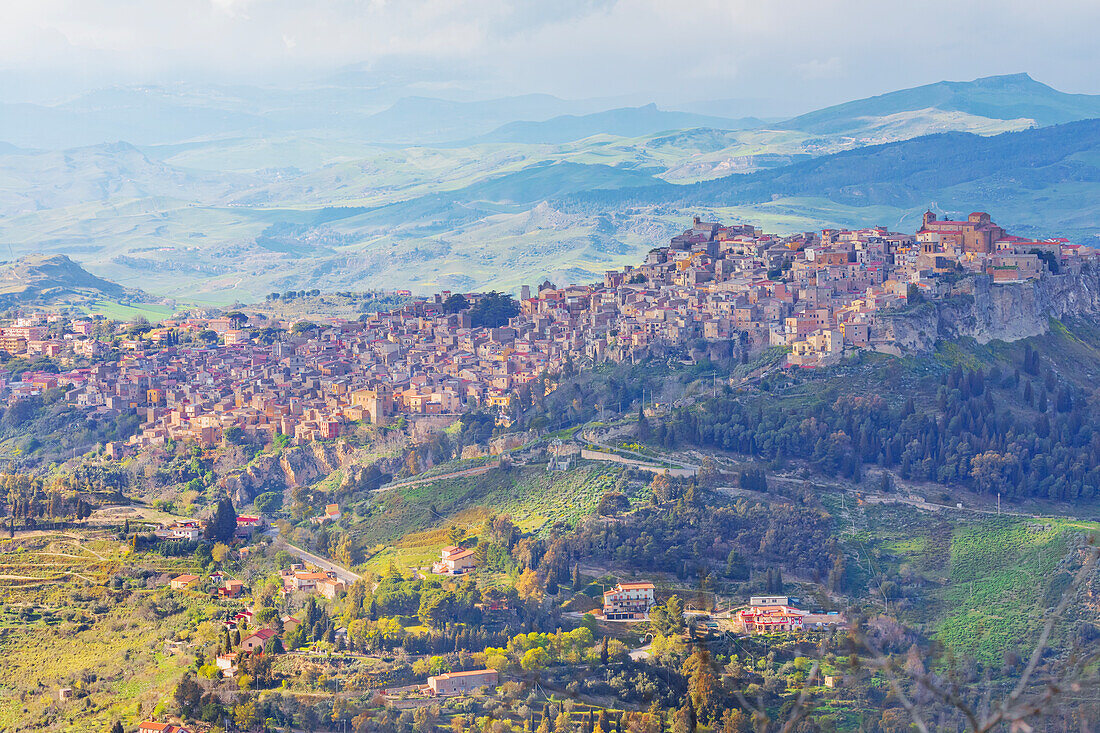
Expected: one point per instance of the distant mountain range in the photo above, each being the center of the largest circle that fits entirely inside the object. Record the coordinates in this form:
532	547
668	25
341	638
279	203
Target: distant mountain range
162	115
166	115
625	122
1011	97
367	187
900	174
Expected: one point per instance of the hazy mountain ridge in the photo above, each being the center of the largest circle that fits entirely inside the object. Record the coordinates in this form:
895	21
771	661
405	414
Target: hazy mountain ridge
393	114
36	180
189	218
1008	97
898	174
166	115
624	122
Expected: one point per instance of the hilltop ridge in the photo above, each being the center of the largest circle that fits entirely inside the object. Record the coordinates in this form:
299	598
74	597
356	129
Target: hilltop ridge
36	277
1004	97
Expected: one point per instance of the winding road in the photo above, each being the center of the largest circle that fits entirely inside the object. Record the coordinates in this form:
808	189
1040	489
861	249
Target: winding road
325	564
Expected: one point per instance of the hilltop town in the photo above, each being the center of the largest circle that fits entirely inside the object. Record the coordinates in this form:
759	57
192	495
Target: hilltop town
426	517
731	289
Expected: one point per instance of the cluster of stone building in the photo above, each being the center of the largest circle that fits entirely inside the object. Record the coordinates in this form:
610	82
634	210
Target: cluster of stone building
817	293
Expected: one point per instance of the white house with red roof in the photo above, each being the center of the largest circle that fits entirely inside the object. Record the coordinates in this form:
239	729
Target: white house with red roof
454	561
628	601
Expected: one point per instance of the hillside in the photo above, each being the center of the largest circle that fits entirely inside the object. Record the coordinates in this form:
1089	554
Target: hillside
42	276
1009	97
33	181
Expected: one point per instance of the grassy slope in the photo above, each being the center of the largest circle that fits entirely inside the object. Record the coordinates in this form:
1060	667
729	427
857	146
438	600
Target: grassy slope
66	629
991	579
121	312
407	525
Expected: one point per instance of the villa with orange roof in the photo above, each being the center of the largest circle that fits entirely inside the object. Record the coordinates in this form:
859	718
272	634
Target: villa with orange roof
628	601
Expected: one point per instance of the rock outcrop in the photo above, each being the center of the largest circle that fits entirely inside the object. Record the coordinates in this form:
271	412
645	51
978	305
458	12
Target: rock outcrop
977	308
293	466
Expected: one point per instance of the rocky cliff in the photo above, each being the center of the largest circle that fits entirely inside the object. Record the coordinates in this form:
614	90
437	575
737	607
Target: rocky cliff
294	466
975	307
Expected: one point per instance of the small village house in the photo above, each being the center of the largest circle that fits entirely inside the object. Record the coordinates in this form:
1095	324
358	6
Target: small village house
227	663
454	561
232	588
258	640
183	582
246	525
332	513
457	683
766	619
330	587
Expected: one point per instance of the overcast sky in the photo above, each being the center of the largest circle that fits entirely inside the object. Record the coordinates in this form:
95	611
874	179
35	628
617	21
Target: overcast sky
796	53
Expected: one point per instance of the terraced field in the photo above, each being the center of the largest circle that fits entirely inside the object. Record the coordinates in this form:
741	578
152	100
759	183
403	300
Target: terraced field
53	558
67	619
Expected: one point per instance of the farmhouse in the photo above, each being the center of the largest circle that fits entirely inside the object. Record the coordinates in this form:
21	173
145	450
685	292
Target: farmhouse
183	582
247	525
180	531
628	601
329	587
455	561
332	513
231	589
456	683
257	640
302	580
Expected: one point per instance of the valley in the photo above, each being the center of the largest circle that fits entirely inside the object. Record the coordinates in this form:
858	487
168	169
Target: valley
367	402
192	220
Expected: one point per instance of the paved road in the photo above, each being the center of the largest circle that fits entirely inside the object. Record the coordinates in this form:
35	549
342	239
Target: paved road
342	573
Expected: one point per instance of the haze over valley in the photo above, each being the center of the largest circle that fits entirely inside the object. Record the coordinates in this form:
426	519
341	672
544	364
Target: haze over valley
592	366
216	194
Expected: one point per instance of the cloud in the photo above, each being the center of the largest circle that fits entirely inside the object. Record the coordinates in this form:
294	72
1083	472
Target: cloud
802	50
829	68
232	8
